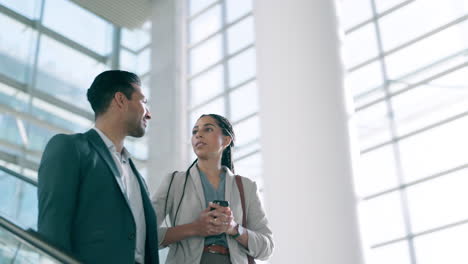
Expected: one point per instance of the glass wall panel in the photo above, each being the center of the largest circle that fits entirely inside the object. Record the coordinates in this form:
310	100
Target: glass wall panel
205	24
207	85
240	35
434	151
244	101
432	102
400	26
382	218
360	45
373	126
65	73
242	67
438	202
17	42
206	54
376	171
447	246
75	23
237	8
28	8
354	12
196	6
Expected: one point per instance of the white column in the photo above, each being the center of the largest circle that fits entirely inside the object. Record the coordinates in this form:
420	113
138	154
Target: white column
168	134
305	138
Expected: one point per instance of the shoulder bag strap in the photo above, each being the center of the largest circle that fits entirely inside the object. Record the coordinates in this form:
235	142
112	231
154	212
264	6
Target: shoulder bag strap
240	186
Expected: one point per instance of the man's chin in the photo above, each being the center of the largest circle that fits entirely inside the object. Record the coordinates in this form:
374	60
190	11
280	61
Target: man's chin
138	133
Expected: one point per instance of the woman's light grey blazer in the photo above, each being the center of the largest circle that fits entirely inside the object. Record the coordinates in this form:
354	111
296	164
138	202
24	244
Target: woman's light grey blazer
190	250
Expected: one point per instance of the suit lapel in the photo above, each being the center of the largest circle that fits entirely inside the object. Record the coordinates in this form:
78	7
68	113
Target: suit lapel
102	150
198	186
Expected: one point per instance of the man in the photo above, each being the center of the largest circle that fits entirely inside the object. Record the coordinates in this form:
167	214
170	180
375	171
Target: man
93	203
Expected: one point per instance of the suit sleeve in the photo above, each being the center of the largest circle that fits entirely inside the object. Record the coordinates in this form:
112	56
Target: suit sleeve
260	235
58	184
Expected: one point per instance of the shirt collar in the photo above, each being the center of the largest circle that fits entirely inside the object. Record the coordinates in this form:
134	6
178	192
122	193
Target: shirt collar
110	145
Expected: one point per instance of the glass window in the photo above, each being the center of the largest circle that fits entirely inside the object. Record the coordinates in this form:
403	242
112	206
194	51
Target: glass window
389	254
196	6
373	125
434	151
240	35
13	98
209	53
250	167
428	51
16	48
446	246
354	12
206	24
383	5
128	60
433	102
244	101
57	116
136	39
214	107
247	132
144	62
376	171
381	218
138	148
65	73
438	202
401	26
237	8
28	8
366	83
207	85
38	136
360	45
10	131
242	67
74	22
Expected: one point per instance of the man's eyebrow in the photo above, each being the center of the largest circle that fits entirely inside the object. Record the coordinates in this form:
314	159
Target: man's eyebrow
208	124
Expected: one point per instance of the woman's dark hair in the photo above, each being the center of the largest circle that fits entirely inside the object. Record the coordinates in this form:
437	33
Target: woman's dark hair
106	84
226	127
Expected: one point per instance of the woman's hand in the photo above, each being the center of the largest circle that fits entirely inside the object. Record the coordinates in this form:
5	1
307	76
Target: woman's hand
210	223
223	219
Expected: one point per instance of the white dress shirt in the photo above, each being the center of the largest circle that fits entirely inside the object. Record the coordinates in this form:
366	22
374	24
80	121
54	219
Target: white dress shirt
131	189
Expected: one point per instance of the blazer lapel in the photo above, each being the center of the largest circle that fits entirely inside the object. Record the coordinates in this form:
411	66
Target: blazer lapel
198	186
102	150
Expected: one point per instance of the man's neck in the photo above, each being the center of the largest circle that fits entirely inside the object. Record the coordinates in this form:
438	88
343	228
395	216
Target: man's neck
113	132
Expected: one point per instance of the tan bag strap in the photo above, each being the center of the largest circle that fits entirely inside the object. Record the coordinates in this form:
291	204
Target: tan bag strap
240	186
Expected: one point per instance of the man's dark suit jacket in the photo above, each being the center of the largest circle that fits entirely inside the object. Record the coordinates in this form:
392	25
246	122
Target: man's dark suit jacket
82	209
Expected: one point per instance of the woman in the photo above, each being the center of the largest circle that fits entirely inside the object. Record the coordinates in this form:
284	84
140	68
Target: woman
197	234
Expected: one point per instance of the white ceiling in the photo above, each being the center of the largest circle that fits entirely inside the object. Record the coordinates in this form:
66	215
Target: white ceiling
124	13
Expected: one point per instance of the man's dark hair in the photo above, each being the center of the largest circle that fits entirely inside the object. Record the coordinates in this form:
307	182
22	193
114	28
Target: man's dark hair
106	84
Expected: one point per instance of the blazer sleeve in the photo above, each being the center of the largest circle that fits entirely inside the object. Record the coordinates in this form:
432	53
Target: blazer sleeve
58	184
158	200
260	241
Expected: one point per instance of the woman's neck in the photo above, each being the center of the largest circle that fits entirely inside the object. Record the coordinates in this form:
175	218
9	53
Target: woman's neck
211	168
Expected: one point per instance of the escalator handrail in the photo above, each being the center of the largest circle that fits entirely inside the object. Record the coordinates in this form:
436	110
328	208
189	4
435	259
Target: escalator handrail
19	176
37	242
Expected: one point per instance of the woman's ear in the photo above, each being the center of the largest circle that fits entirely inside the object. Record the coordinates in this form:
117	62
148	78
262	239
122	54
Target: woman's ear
226	141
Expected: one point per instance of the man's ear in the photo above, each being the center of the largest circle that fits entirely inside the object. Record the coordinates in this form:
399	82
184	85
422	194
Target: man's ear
120	99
